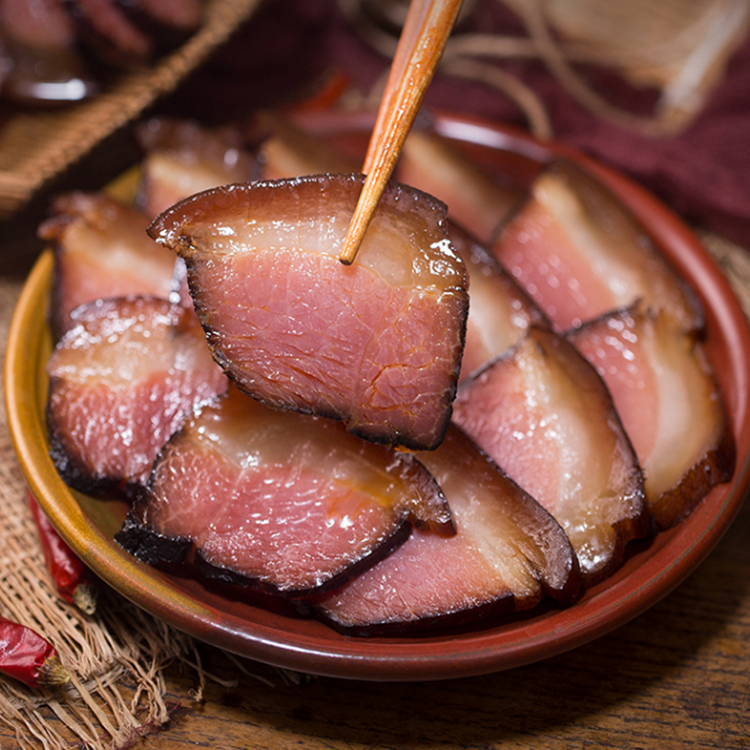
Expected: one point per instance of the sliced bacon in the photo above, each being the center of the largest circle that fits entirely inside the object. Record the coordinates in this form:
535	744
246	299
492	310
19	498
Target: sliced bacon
278	500
101	250
508	553
580	253
288	151
500	312
666	392
122	379
545	416
476	200
182	158
377	344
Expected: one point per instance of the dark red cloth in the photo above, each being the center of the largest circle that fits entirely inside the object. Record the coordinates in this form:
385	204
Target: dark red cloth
703	173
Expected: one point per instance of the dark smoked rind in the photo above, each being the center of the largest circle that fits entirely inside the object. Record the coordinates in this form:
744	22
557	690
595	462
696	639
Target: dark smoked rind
508	554
376	344
178	553
229	576
278	502
149	546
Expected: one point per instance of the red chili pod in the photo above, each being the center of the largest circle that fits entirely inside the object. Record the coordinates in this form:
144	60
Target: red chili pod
72	579
28	657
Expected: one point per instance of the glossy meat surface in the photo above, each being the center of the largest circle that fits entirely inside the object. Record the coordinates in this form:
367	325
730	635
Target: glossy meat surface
377	344
500	312
476	200
183	158
101	251
666	393
121	381
544	415
507	554
580	253
288	502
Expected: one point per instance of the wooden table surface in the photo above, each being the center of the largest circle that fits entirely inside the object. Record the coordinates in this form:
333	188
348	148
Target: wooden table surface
677	676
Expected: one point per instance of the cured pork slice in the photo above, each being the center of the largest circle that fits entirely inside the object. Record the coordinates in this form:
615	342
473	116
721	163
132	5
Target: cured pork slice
278	500
546	417
101	250
182	158
376	344
288	151
122	379
507	553
580	253
500	312
666	392
476	200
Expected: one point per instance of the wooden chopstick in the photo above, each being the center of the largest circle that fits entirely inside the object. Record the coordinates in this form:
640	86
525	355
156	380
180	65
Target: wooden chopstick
426	30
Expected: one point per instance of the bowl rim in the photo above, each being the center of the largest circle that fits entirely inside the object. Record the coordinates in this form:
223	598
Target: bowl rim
310	646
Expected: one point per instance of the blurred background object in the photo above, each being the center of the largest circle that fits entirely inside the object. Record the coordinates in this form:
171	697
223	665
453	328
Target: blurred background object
660	91
49	52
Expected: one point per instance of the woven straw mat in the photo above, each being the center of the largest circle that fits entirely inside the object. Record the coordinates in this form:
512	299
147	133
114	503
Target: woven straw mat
116	658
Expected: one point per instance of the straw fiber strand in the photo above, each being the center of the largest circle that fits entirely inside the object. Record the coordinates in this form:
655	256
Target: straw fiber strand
116	658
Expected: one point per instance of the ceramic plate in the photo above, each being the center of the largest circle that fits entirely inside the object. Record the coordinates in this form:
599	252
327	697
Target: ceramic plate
272	635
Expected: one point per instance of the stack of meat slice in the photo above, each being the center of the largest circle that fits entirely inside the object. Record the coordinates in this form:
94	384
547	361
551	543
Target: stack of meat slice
600	279
544	414
527	485
580	253
130	362
507	554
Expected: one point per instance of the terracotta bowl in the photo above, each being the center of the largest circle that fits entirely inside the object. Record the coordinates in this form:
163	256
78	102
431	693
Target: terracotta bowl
268	633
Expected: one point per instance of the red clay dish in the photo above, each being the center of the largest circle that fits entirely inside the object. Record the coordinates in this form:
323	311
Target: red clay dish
265	631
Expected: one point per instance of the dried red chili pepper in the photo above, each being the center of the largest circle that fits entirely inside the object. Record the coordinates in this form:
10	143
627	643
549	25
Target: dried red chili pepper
28	657
71	577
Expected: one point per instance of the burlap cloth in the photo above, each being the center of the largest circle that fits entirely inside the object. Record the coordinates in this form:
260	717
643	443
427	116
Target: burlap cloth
116	658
